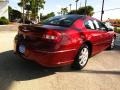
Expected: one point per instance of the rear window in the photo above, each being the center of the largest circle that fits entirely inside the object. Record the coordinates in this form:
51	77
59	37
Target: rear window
67	20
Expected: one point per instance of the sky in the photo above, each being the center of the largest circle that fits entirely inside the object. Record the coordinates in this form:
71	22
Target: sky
56	5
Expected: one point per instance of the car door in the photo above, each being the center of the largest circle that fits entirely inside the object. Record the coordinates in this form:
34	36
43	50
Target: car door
104	33
94	35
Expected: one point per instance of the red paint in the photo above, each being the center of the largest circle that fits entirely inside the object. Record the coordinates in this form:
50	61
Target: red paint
53	46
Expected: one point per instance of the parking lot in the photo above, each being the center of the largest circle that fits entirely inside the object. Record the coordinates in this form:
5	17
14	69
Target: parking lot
101	73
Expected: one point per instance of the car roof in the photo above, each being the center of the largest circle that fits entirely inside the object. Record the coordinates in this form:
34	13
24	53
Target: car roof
75	16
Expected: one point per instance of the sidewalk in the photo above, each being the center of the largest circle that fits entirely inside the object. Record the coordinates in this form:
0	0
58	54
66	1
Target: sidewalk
10	27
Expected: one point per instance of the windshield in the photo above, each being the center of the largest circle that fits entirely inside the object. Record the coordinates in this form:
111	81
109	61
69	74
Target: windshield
60	20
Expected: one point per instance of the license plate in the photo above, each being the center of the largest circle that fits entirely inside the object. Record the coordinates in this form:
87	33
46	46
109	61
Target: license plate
22	49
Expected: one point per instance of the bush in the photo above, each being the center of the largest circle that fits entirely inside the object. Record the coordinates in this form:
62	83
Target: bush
117	29
3	21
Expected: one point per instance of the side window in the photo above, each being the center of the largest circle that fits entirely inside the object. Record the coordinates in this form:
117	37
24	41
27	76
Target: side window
89	24
96	24
99	25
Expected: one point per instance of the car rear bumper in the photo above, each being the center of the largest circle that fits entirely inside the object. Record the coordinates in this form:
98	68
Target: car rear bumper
48	59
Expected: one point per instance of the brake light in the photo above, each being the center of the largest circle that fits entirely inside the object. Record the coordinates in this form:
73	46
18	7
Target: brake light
52	35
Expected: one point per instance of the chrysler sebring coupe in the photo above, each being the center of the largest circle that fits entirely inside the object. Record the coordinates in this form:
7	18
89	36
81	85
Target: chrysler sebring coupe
63	40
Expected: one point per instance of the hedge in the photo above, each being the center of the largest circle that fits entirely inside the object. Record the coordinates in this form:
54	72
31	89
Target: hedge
4	21
117	29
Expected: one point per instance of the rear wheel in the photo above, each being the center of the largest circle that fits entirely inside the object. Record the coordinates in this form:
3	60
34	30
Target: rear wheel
81	58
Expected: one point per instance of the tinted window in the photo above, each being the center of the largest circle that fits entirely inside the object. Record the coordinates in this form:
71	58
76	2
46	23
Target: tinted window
67	20
89	24
96	24
99	25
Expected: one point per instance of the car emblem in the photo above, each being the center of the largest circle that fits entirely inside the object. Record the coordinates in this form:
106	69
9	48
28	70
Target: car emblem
25	29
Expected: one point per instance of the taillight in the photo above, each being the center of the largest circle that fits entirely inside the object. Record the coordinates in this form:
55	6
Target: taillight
52	35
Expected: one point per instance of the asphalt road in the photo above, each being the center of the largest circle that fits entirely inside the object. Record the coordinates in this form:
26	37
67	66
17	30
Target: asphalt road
101	73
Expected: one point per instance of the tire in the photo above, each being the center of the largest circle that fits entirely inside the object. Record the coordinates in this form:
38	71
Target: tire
81	58
112	44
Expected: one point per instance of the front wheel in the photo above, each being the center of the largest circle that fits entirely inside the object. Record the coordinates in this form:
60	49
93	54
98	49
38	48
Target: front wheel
81	58
112	44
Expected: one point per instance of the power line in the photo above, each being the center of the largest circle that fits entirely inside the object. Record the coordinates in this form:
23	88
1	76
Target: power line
107	10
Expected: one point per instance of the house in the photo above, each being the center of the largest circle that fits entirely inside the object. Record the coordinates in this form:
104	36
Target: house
4	8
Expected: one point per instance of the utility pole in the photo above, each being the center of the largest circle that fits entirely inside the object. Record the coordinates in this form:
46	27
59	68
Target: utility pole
85	7
76	5
23	11
80	5
70	6
102	11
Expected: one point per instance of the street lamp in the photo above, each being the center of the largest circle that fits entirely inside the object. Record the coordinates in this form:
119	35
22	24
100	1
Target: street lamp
102	11
80	5
76	5
23	11
70	6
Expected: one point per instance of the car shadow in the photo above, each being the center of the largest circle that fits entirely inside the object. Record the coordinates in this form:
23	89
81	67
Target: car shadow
14	68
105	72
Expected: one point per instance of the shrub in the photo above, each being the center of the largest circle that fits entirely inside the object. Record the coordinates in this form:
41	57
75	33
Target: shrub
117	29
3	21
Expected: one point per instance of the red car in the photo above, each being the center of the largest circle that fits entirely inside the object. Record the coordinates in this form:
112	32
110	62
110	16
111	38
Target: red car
62	40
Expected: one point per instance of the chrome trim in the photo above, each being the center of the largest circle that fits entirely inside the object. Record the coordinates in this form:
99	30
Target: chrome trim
56	51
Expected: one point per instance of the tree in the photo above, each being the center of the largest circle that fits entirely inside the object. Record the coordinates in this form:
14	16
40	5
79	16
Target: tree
88	10
64	11
14	14
43	17
33	6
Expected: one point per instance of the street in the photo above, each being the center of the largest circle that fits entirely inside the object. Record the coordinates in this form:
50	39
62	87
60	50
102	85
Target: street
101	73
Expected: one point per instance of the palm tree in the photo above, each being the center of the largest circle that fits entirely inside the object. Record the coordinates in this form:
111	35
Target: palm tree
32	5
64	11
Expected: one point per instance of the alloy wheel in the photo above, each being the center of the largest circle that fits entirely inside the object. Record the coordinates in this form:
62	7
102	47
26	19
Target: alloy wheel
113	43
83	57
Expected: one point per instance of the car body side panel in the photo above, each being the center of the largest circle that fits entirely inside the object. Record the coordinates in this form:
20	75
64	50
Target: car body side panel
64	52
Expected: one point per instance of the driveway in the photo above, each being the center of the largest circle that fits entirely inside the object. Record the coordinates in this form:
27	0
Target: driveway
101	73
